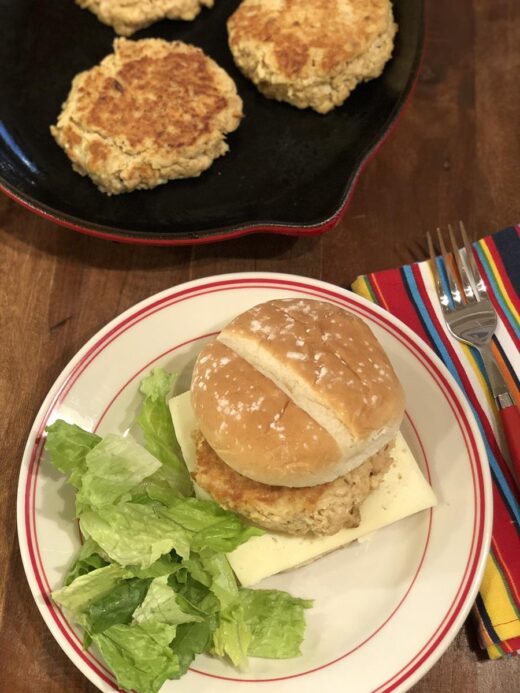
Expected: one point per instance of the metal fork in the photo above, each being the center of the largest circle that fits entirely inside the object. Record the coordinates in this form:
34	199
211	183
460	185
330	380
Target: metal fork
472	319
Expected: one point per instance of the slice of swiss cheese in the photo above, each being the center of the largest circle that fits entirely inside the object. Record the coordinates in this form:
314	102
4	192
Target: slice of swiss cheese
403	492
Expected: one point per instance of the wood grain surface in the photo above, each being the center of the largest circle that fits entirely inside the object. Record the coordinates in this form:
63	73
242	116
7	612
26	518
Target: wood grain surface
455	154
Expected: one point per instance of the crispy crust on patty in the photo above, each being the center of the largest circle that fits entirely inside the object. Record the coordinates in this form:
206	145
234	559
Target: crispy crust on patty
128	16
323	509
311	53
150	112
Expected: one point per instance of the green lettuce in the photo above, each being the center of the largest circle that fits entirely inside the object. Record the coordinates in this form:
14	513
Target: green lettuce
138	534
160	604
233	636
118	606
114	467
276	621
88	558
261	623
68	446
192	639
195	569
134	534
140	655
196	515
152	586
223	582
161	486
191	584
193	596
86	589
165	565
213	527
224	536
156	424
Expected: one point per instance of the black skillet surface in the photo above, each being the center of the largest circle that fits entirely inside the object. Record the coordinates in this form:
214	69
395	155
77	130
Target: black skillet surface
287	170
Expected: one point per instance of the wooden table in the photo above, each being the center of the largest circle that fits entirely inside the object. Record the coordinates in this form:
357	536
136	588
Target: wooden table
452	156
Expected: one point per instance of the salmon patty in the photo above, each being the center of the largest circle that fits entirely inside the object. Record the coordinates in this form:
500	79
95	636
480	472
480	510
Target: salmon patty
311	53
128	16
322	509
150	112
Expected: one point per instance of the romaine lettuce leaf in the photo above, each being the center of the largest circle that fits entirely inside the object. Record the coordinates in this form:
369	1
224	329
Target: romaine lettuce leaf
165	565
191	584
139	655
223	583
134	534
192	639
68	446
214	528
158	386
117	606
88	558
276	621
233	636
195	568
195	514
224	536
86	589
161	486
114	467
160	605
157	427
261	623
193	596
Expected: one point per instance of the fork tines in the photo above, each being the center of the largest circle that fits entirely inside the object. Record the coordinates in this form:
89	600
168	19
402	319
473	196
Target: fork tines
462	275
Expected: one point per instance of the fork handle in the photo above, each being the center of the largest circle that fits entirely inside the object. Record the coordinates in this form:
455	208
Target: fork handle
510	417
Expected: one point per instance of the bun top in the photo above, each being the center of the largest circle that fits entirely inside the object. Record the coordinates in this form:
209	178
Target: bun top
253	426
304	369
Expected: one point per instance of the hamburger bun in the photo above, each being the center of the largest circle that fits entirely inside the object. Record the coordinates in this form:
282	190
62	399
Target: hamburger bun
296	393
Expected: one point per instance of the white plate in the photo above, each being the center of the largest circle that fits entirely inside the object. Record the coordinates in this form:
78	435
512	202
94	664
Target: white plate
385	609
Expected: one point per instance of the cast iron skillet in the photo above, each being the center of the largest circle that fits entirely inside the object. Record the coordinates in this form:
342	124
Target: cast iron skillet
288	171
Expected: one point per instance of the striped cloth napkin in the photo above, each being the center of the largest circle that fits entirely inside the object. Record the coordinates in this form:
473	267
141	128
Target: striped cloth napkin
409	294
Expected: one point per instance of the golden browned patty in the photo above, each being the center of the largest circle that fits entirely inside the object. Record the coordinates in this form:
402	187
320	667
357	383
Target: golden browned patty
311	53
151	112
323	509
128	16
